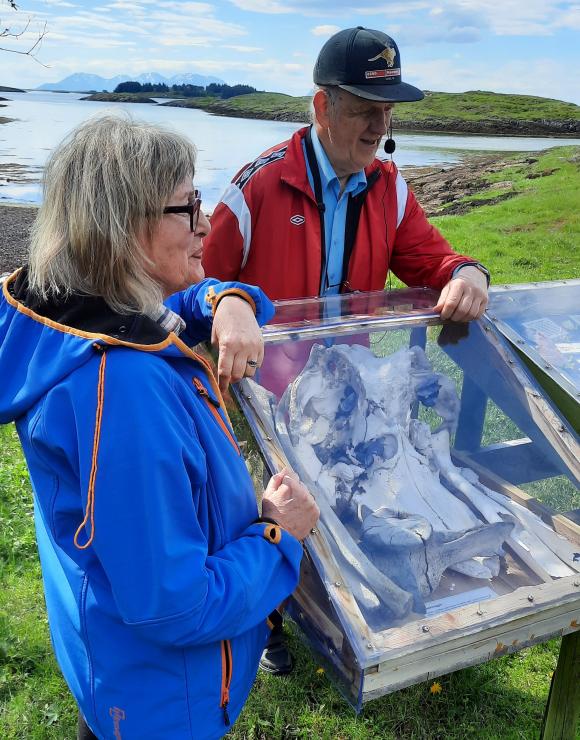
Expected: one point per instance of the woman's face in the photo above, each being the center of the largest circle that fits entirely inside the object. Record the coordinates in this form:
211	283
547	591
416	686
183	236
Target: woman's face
175	252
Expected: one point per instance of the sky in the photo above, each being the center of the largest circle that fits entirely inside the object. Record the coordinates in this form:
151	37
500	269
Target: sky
511	46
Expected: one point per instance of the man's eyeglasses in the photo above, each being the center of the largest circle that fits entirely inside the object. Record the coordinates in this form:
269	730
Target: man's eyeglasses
192	208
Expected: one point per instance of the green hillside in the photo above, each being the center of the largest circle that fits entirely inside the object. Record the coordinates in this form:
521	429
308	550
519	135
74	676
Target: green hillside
476	105
475	111
273	106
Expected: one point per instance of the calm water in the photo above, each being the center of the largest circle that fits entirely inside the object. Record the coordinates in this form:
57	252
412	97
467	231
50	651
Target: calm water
224	144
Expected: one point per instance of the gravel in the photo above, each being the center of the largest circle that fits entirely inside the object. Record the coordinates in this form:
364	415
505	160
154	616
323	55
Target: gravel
15	223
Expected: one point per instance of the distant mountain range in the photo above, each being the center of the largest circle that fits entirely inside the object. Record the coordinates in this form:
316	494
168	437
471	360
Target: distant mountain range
80	82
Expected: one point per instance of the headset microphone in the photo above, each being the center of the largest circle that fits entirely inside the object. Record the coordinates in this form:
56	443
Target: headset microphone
390	145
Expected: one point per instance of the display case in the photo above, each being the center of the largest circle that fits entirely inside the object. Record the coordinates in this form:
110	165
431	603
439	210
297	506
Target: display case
442	474
542	321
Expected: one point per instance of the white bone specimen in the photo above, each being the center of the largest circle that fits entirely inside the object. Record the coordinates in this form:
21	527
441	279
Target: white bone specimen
346	424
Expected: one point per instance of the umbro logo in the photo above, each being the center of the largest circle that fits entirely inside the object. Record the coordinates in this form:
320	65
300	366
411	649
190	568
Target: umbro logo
297	220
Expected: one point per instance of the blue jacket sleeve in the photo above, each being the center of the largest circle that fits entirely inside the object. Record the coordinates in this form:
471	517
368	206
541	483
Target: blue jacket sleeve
197	304
152	472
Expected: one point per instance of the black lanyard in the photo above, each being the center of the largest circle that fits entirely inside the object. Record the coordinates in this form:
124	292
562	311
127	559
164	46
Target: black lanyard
353	211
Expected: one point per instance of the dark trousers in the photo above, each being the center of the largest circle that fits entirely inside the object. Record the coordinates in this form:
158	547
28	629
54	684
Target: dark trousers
84	731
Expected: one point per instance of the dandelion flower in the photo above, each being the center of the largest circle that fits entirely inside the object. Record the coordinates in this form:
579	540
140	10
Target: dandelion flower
320	671
436	687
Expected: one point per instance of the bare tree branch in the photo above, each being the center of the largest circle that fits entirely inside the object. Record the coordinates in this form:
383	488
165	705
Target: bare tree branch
7	33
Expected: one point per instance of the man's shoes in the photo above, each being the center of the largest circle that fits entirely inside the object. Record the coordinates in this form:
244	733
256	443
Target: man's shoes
276	660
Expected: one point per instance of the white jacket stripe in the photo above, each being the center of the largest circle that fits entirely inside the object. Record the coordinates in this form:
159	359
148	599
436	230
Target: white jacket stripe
402	192
234	199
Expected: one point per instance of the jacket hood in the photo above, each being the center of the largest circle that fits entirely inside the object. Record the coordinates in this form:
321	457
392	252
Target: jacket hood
40	344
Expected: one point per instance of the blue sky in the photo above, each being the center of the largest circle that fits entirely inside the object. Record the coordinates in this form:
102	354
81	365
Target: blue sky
516	46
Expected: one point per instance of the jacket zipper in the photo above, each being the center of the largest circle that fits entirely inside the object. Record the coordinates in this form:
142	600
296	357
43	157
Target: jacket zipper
213	406
227	670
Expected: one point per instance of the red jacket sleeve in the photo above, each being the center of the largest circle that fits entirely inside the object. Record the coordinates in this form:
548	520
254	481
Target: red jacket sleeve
421	255
223	247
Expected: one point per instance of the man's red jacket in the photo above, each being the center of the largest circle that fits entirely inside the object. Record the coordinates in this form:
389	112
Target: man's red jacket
266	231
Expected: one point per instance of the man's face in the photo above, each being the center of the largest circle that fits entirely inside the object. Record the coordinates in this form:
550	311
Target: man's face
351	129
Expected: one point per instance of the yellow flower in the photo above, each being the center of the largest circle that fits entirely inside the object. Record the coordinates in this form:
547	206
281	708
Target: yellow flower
436	688
320	671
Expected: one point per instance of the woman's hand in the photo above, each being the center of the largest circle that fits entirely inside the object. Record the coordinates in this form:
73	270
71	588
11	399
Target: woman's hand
289	504
239	340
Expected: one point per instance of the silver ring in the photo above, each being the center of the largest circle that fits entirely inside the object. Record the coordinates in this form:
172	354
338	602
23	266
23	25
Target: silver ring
252	363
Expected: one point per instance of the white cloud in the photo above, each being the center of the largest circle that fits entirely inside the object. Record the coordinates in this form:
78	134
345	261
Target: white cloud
262	6
185	8
551	79
324	30
59	3
243	49
461	20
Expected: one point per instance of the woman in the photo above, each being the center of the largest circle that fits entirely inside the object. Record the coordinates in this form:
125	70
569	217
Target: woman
159	575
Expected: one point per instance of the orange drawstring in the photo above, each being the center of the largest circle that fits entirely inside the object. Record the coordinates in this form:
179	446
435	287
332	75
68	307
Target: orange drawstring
90	511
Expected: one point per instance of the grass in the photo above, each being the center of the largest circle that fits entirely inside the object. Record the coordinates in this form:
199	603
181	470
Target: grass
532	236
476	105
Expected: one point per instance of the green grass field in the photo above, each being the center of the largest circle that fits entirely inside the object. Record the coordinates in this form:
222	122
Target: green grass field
532	236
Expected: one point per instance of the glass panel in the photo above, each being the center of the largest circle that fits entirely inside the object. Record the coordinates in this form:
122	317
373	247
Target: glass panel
338	312
543	319
411	440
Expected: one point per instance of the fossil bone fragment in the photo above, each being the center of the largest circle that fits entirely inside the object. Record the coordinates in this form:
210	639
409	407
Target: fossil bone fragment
415	556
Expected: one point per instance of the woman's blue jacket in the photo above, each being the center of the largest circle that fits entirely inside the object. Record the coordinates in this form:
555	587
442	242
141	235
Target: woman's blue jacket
158	576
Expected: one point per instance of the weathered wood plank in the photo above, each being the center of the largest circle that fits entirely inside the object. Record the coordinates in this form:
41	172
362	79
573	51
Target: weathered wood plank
466	622
318	618
563	707
423	664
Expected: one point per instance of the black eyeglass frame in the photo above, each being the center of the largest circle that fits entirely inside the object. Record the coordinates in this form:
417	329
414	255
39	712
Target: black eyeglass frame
192	208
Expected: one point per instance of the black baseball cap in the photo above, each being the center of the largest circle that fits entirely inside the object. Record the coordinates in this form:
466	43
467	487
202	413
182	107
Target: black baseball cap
366	63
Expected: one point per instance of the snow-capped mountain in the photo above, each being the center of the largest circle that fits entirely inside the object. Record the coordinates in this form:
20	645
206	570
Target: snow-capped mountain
80	82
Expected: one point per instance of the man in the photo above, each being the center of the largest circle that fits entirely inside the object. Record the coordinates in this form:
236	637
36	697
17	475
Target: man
273	229
320	214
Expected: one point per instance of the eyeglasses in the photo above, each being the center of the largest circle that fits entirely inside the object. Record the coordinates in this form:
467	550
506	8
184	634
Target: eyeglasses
192	208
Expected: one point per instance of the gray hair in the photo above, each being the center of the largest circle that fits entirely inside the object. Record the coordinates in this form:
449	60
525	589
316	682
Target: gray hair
332	93
104	185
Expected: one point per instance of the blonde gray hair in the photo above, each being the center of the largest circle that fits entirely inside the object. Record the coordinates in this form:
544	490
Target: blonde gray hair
104	185
332	93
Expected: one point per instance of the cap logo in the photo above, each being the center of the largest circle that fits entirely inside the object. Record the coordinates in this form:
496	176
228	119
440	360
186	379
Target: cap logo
371	74
388	54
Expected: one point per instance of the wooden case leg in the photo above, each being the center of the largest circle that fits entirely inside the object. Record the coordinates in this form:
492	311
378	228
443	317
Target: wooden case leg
563	707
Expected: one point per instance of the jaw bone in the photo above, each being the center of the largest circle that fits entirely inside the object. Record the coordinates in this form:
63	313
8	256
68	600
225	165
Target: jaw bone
415	556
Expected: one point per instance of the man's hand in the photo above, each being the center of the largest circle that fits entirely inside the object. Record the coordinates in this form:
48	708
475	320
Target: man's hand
239	340
464	297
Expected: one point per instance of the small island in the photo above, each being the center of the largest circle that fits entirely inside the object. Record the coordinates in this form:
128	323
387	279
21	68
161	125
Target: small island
4	88
471	112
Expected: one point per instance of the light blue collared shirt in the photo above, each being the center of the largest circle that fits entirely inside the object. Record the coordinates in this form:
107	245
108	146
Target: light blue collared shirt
335	204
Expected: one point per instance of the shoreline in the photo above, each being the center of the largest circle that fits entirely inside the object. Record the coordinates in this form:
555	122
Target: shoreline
439	190
560	128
